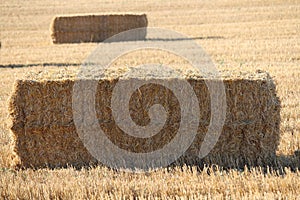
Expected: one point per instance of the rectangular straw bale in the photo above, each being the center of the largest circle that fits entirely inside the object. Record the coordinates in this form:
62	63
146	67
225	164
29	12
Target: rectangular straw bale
95	28
42	122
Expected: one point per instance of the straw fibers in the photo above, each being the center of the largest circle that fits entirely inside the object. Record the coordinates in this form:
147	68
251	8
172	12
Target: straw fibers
45	134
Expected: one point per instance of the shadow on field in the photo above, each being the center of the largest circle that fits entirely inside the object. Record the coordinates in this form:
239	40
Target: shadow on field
277	164
183	39
40	64
113	40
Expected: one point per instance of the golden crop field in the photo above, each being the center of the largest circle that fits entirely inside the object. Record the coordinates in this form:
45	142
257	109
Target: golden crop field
239	35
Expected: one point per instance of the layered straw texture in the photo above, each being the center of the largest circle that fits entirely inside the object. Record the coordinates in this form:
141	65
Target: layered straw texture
96	28
43	126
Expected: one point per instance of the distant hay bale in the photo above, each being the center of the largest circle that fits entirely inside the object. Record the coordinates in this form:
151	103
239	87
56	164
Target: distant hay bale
96	28
42	119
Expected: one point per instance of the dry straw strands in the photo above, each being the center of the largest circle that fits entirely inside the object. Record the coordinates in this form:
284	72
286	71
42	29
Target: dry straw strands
95	28
42	123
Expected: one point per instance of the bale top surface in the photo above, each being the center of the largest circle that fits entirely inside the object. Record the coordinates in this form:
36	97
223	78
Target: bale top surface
71	74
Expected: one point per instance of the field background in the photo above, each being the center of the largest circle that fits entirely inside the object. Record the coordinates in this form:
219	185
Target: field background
247	35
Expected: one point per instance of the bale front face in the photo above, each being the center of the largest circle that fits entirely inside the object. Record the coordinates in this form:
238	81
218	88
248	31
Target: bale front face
96	28
43	125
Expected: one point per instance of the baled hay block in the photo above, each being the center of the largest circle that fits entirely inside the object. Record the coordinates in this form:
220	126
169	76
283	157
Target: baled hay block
42	122
96	28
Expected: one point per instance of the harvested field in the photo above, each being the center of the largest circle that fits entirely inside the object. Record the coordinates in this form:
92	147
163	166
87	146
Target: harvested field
238	35
96	28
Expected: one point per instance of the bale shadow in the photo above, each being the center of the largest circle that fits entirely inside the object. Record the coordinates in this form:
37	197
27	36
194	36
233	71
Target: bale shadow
187	39
40	64
277	164
133	39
